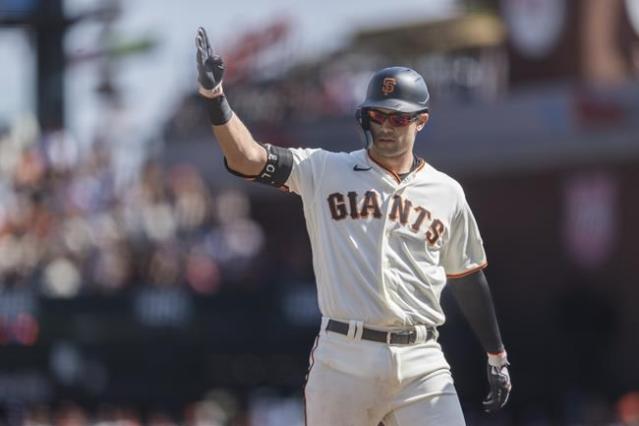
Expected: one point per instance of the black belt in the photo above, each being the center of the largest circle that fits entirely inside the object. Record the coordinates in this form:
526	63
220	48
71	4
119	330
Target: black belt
396	338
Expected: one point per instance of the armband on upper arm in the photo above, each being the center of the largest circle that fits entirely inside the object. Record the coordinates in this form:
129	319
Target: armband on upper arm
278	167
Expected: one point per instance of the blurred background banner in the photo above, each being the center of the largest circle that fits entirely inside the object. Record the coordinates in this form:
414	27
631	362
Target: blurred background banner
142	283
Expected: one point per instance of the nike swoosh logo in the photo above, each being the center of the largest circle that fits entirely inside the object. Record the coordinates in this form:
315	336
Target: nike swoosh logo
361	169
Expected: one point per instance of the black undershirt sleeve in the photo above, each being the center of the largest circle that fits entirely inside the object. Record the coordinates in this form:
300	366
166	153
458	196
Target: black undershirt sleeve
475	301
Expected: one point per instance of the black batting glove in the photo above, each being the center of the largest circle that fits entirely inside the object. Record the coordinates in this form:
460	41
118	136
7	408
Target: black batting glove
210	67
498	381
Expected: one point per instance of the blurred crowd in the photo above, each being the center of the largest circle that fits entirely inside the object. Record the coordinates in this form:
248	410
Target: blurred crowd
270	102
70	224
334	92
265	407
218	408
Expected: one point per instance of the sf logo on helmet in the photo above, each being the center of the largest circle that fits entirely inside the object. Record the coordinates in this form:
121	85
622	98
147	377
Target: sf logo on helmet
388	85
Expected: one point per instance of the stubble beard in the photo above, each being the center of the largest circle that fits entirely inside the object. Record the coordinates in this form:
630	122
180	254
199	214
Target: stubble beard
387	150
391	150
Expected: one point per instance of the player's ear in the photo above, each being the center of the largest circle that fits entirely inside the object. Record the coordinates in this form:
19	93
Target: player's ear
422	120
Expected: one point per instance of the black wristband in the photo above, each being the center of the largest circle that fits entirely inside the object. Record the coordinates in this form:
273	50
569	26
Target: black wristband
219	110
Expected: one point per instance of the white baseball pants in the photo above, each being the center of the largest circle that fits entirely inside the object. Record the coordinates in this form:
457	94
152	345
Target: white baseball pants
354	382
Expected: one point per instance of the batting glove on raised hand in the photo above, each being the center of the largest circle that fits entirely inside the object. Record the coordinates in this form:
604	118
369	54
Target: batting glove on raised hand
499	382
210	67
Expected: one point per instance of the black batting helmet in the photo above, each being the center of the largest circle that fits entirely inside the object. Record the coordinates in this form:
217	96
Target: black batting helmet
397	88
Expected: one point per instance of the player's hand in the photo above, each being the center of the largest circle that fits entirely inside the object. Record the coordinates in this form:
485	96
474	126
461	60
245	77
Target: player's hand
210	67
499	382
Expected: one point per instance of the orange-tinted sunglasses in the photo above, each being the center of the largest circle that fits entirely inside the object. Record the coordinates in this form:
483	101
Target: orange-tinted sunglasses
396	119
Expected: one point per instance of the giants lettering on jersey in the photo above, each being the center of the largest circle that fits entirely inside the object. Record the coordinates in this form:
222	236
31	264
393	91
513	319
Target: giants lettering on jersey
401	211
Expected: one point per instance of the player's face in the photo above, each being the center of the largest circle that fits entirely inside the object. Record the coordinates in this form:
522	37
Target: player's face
394	133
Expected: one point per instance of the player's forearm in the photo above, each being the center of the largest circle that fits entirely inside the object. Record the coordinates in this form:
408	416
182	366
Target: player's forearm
475	301
243	154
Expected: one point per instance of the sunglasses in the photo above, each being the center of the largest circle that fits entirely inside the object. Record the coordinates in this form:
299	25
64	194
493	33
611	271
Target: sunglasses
396	119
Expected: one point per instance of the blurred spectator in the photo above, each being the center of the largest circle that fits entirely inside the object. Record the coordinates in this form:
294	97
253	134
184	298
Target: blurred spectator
71	415
238	238
628	409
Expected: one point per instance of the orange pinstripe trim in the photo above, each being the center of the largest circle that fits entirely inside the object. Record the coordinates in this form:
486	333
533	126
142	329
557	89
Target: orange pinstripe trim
421	165
392	173
470	271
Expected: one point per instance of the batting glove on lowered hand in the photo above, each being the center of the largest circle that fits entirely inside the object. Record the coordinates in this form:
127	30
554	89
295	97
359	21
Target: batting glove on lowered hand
210	67
499	382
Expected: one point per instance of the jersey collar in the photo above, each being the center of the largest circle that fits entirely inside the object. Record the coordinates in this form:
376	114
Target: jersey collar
418	165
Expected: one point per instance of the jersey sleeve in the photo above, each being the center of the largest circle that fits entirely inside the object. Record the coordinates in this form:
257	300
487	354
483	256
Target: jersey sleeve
463	252
308	166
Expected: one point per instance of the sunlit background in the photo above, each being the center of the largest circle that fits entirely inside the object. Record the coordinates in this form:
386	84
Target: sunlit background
140	283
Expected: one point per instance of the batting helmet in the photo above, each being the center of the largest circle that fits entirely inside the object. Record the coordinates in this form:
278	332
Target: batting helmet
397	88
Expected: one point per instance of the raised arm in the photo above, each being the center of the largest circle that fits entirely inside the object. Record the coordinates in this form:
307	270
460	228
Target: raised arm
243	154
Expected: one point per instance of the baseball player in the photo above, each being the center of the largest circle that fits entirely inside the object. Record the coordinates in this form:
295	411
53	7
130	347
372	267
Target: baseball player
388	231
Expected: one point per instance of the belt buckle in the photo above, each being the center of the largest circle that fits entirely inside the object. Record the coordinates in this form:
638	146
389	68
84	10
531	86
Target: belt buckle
411	336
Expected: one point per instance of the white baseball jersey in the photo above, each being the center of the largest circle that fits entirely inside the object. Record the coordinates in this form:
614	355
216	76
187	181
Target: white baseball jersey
383	247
